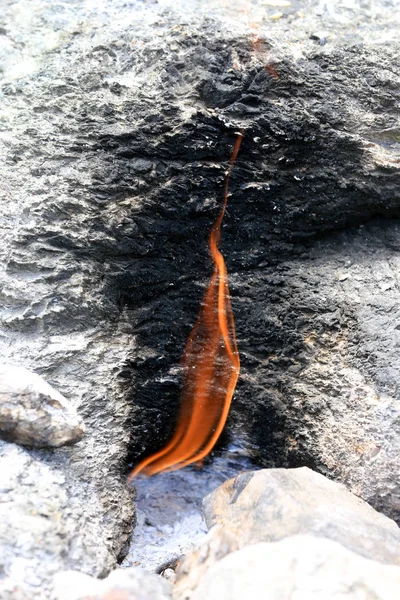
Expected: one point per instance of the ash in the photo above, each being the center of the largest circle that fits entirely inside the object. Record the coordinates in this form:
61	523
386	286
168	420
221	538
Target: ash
169	509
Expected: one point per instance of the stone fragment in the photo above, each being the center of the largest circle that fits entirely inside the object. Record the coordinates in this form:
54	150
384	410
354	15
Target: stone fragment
300	567
169	575
272	504
122	584
32	413
218	543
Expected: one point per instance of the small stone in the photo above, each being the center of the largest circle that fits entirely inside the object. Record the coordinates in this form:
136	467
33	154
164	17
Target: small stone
320	36
32	413
169	575
72	585
343	276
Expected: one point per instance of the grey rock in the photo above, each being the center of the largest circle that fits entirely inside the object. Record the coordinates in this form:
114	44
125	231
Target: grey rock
52	519
271	504
122	122
126	584
300	567
218	543
32	413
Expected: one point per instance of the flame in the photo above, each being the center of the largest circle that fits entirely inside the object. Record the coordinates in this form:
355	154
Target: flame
211	367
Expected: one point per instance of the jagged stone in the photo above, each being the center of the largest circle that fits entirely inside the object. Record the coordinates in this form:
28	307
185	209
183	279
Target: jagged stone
292	505
32	413
268	505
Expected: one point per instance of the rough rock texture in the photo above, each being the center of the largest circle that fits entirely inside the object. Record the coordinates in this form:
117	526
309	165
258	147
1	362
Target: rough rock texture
48	522
32	413
218	543
170	521
121	584
114	175
117	119
268	505
298	568
273	504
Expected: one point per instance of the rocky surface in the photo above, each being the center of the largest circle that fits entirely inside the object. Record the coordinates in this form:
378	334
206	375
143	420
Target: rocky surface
32	413
170	520
117	121
121	584
299	567
288	532
274	504
49	522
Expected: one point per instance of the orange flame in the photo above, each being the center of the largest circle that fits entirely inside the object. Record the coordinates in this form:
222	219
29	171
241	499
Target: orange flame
211	367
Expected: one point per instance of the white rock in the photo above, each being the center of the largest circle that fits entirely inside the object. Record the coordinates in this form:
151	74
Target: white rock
299	567
32	413
130	584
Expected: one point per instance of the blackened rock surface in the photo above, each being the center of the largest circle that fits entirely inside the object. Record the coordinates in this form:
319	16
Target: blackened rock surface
324	378
32	413
117	123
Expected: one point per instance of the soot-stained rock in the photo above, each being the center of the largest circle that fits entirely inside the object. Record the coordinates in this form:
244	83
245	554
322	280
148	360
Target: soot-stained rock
324	377
300	566
117	124
32	413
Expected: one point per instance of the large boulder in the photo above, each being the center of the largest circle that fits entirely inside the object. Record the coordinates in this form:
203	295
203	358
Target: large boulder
52	517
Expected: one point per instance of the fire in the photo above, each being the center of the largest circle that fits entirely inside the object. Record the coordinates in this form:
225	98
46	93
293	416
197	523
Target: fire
211	367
